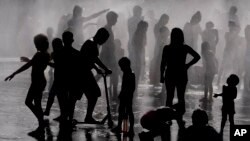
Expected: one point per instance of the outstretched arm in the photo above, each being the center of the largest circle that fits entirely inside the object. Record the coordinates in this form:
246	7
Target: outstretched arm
23	68
195	59
94	15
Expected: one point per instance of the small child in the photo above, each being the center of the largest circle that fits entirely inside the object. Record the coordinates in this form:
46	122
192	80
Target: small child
158	123
229	93
210	68
38	63
126	96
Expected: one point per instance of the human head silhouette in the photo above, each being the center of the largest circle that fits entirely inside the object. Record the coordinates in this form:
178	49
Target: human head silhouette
196	18
57	44
41	42
233	10
137	11
124	64
68	38
209	25
233	80
77	11
177	37
101	36
199	118
164	19
111	18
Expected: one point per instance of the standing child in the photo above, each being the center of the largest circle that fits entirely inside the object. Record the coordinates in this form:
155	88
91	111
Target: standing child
229	93
210	69
38	63
126	96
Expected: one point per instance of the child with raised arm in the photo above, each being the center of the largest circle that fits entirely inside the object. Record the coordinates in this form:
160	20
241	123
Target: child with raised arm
38	63
229	93
126	96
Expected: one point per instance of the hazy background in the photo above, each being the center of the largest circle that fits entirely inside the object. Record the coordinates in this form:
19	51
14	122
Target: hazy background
20	20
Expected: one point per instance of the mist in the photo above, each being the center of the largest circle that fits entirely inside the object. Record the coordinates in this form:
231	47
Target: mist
20	20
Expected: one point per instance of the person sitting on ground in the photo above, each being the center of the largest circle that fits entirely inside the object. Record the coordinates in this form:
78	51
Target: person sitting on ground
158	123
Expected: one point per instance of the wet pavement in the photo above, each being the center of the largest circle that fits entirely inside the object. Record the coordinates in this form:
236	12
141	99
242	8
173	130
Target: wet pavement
16	120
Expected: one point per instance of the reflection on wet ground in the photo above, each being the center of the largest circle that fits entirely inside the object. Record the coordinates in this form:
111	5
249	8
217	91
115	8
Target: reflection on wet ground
16	120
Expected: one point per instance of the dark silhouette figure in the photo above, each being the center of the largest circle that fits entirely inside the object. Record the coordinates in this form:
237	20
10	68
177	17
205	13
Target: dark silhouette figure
161	33
210	67
231	61
70	63
108	54
210	35
200	130
75	24
139	42
232	15
90	60
229	93
38	63
55	89
247	60
174	67
126	96
132	25
158	123
192	30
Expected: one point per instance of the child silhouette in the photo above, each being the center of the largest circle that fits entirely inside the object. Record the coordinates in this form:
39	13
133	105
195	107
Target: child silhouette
126	96
229	93
38	63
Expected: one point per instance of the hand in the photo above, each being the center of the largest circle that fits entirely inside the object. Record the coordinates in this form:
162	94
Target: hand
215	95
162	79
24	59
108	71
9	77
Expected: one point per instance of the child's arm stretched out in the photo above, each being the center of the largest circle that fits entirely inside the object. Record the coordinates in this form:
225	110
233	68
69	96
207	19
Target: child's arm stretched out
23	68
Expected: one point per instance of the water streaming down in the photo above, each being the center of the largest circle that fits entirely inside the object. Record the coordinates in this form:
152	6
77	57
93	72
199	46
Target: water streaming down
224	24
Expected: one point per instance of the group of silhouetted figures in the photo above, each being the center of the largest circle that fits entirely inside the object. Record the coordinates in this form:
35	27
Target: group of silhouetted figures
73	76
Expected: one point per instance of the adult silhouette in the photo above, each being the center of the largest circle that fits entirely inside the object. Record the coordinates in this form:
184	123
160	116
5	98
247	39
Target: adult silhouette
192	30
71	70
132	25
90	60
161	33
75	24
108	54
174	67
210	35
139	42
